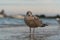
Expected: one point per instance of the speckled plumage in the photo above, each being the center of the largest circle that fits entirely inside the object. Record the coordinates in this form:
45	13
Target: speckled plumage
32	21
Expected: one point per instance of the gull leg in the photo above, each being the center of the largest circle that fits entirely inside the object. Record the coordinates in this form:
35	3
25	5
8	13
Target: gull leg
30	34
33	34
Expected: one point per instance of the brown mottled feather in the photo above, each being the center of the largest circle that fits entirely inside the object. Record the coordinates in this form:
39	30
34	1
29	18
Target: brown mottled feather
32	21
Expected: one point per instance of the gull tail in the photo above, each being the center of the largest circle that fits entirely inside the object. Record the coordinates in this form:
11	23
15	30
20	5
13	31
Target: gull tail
43	25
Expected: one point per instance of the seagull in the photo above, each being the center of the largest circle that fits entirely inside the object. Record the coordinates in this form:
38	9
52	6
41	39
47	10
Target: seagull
33	21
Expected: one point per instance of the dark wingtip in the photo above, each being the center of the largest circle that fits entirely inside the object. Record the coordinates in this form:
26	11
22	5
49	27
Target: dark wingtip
44	25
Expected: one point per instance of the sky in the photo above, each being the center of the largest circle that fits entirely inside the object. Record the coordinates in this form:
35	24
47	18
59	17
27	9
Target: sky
48	7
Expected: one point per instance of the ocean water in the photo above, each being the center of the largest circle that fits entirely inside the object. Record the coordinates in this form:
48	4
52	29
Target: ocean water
11	21
21	21
15	29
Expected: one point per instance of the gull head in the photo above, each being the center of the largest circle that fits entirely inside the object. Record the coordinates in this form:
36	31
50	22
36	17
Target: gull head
29	13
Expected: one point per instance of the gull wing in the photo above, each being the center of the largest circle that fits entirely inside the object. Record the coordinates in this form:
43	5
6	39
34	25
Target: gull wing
33	21
37	21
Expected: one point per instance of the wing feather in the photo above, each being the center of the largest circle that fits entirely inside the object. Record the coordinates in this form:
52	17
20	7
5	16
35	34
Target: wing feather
37	21
33	21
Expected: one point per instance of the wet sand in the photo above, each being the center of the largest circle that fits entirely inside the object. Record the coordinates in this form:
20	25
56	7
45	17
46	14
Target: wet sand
22	33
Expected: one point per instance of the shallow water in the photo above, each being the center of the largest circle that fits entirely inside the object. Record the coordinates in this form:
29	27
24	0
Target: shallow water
22	33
